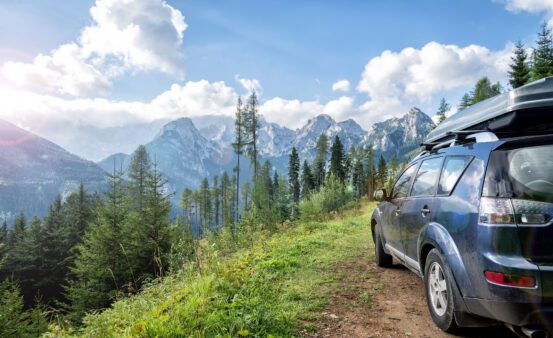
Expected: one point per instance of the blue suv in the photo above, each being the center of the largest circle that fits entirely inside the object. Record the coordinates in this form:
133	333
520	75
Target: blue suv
473	215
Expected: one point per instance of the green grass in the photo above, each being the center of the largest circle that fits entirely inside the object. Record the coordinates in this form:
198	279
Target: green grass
273	287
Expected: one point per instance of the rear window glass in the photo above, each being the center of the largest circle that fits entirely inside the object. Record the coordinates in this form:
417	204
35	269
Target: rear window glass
453	168
402	185
525	173
426	178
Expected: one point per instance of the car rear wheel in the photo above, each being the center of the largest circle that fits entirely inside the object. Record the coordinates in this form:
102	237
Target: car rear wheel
439	292
383	259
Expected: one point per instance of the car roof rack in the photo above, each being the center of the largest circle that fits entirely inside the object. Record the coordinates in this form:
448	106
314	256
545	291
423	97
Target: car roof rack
459	137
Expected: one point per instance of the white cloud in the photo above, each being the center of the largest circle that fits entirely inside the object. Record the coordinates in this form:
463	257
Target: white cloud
47	113
249	84
295	113
341	85
394	81
532	6
125	35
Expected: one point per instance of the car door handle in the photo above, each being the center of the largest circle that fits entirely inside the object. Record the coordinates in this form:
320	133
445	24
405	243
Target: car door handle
398	211
425	211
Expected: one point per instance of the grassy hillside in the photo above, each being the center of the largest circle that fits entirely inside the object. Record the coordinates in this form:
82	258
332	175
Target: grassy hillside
269	285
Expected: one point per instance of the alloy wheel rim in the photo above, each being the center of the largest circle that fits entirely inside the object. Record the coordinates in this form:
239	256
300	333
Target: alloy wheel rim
437	289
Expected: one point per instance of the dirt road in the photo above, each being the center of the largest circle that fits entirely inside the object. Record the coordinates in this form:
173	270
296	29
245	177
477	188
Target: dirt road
375	302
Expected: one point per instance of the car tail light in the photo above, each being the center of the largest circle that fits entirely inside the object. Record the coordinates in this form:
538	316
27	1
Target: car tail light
532	212
496	211
510	280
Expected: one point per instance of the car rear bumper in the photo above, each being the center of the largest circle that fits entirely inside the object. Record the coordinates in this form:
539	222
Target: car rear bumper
518	314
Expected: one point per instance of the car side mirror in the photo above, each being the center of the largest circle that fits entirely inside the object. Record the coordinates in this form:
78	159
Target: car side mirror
380	195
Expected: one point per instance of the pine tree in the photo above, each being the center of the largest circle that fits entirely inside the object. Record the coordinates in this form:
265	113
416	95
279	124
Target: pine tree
442	109
519	75
18	232
382	172
102	269
393	170
542	65
152	237
337	159
216	201
205	203
78	212
251	127
238	145
55	251
370	172
15	321
465	102
227	216
246	192
139	172
319	165
3	240
307	181
293	175
484	89
358	179
187	203
275	186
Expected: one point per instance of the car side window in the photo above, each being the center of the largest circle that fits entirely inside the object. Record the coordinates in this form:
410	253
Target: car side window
453	168
427	176
401	188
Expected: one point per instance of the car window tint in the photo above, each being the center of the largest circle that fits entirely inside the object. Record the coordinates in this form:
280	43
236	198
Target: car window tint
453	168
426	178
401	188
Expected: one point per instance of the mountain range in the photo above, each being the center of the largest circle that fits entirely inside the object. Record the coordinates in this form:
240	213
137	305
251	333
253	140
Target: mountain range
34	170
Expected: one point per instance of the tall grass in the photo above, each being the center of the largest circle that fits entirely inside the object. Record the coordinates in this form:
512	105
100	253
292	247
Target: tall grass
247	283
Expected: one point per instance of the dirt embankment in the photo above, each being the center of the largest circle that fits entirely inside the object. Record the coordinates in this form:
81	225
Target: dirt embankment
376	302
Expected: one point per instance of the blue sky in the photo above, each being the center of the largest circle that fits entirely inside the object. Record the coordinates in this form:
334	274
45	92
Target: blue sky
292	51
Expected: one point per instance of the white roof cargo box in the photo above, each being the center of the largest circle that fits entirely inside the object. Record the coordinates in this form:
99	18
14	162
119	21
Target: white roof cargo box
524	110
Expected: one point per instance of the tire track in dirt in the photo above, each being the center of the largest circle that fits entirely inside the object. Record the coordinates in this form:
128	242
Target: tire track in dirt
377	302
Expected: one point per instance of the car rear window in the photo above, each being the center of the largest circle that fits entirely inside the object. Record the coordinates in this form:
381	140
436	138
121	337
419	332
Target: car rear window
524	173
452	171
426	178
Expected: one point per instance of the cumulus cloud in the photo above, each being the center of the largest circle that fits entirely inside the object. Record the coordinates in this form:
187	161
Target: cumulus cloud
295	113
341	85
394	81
124	36
532	6
249	84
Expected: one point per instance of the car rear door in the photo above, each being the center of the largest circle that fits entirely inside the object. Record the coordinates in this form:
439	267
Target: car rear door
417	210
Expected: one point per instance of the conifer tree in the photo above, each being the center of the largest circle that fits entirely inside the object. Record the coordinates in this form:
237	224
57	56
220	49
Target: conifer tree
139	172
240	134
358	179
484	89
519	75
18	232
382	172
187	203
102	269
337	159
370	172
216	201
227	216
293	175
205	203
15	321
246	192
442	109
275	185
152	237
307	181
78	212
251	127
465	102
319	165
542	65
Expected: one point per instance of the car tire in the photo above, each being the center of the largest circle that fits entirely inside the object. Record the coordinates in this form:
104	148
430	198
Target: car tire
383	259
439	290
